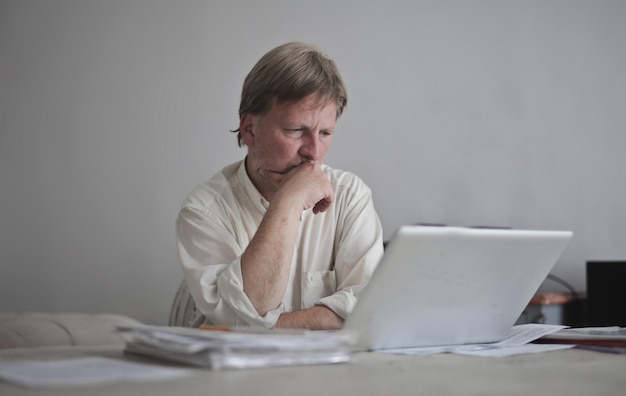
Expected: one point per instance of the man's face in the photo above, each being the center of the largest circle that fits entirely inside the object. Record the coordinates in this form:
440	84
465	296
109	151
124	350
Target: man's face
286	136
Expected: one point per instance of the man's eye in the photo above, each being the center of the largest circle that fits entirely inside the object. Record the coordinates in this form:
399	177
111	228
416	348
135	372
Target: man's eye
295	132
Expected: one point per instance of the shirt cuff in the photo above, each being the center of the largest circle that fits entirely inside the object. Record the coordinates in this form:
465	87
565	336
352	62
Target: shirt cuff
342	303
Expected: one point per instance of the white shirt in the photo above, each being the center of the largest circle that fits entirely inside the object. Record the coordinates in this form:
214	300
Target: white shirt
335	255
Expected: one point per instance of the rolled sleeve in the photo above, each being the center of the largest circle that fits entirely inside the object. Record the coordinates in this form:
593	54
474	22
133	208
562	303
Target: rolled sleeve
211	264
342	303
230	288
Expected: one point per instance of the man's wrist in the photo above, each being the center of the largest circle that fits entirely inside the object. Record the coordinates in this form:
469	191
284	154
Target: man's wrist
318	317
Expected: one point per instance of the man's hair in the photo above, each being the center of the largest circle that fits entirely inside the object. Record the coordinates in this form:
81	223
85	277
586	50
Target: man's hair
288	73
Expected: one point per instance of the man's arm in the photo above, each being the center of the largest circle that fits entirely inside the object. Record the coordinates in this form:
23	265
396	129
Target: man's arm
318	317
266	262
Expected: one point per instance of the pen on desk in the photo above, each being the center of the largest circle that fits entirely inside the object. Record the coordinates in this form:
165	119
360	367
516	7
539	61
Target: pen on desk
214	328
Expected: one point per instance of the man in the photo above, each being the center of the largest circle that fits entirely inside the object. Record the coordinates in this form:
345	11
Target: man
280	239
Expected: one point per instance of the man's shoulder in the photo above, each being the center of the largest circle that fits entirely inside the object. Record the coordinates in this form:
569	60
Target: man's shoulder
217	188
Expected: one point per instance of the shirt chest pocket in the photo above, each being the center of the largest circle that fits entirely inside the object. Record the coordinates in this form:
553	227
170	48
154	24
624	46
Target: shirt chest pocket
316	285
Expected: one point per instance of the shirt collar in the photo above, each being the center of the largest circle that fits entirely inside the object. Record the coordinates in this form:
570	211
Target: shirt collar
250	189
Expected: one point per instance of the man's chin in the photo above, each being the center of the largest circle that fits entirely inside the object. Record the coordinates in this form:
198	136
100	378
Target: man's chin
271	176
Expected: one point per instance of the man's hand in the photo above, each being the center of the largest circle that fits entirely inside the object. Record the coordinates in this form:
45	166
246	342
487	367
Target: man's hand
307	183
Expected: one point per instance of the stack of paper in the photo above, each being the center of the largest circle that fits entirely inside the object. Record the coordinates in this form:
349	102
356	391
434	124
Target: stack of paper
605	339
238	348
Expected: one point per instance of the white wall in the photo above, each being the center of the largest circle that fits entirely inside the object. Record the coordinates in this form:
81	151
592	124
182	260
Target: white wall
506	113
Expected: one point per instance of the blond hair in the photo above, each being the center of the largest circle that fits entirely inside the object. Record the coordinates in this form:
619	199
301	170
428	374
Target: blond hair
287	73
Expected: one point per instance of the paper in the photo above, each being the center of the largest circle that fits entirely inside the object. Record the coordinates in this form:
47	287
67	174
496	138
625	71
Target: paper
83	371
601	339
494	351
238	348
516	342
611	333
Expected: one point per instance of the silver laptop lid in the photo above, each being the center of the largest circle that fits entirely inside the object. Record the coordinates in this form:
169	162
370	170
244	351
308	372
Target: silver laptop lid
452	285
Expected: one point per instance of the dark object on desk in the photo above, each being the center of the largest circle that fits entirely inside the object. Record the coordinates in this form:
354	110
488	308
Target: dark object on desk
606	294
556	308
611	339
606	349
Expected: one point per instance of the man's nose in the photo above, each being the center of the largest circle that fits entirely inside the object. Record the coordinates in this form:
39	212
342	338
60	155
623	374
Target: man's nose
311	147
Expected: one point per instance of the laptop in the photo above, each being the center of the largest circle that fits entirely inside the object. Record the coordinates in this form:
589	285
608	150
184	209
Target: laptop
452	285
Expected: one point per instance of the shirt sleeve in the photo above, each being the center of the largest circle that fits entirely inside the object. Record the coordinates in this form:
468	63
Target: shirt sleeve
359	249
210	259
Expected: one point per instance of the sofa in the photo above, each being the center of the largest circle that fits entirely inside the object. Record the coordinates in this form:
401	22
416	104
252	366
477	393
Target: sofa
36	329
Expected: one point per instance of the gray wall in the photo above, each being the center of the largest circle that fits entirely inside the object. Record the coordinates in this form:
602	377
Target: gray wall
507	113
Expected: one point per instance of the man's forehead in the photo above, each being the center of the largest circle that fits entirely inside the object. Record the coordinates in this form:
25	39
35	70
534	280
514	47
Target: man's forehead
312	104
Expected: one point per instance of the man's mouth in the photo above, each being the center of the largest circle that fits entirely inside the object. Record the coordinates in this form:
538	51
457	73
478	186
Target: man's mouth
287	170
266	173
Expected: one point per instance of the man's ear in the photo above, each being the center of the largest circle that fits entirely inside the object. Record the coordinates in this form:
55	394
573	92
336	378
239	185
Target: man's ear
246	128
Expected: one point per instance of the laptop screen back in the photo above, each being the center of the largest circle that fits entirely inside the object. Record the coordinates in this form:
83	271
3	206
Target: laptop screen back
451	285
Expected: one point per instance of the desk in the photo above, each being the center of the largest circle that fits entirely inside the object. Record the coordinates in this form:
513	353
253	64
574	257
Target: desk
568	372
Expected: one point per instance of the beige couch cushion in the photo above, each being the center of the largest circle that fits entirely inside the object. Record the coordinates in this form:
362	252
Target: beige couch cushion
32	329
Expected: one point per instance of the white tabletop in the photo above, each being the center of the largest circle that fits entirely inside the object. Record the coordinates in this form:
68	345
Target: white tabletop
568	372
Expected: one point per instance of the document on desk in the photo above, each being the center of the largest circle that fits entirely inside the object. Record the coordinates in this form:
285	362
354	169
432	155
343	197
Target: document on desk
611	339
83	371
235	348
516	342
